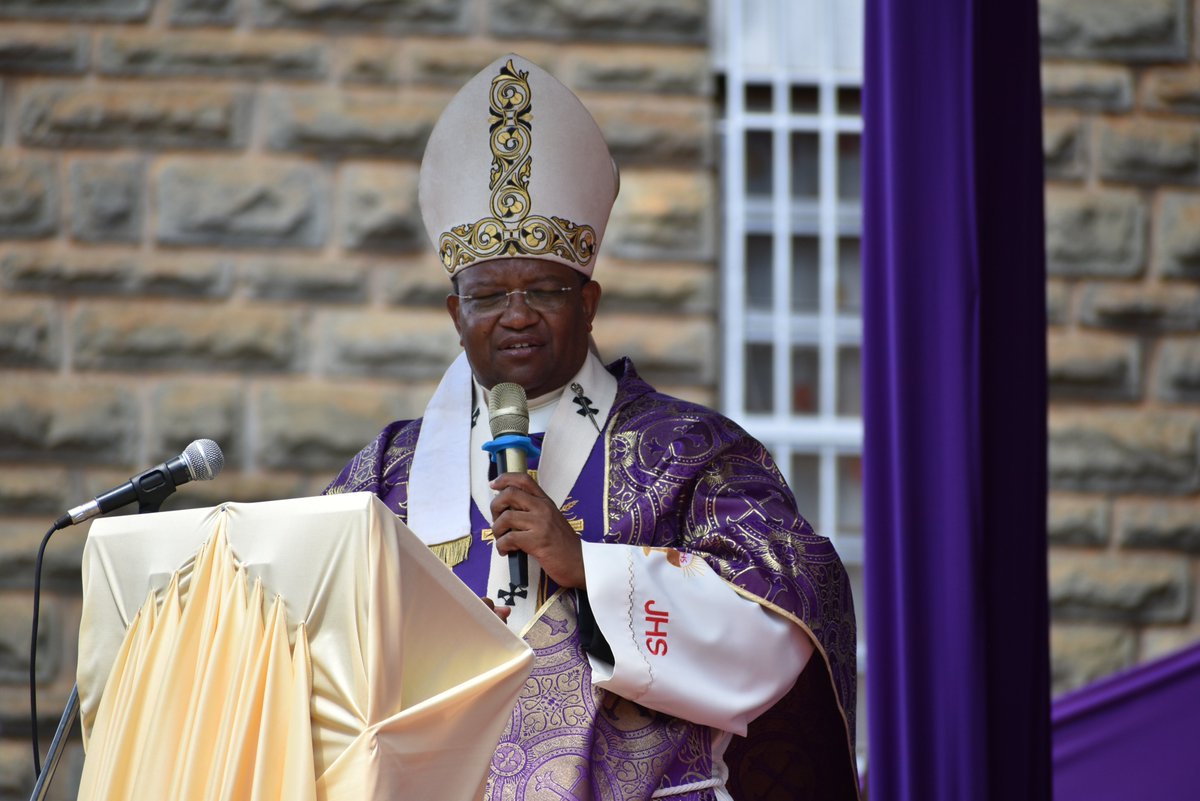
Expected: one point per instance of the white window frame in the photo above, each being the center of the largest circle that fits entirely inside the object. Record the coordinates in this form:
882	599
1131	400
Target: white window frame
825	434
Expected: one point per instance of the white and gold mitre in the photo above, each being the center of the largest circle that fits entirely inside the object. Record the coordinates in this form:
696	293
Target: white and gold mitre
516	166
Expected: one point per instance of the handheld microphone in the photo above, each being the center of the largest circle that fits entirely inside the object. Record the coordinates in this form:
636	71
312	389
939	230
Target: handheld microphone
511	448
200	461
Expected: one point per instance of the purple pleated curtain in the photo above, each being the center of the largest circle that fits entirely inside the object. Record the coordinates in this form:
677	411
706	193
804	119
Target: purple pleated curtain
955	403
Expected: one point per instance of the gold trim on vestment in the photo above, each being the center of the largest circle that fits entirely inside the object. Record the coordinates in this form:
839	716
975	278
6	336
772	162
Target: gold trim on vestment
453	552
749	596
541	610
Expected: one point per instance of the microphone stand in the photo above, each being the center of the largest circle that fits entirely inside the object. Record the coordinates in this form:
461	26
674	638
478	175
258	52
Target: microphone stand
148	502
57	746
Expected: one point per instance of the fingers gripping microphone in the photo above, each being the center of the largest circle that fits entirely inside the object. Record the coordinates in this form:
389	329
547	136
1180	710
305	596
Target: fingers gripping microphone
200	461
511	448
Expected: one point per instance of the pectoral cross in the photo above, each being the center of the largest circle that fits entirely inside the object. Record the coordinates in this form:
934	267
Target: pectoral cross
585	405
512	594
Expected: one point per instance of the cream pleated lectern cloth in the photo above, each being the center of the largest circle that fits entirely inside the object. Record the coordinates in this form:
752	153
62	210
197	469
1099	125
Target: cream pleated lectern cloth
302	649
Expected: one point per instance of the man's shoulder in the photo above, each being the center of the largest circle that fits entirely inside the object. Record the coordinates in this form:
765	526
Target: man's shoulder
396	435
368	469
663	405
397	444
640	405
401	430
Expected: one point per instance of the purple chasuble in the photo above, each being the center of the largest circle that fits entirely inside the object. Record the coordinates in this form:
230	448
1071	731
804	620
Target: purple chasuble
671	474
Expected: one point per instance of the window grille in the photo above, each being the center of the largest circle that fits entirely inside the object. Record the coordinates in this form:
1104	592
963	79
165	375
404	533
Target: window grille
789	79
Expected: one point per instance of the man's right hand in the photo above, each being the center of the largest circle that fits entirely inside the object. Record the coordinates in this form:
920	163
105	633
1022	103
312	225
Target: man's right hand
525	519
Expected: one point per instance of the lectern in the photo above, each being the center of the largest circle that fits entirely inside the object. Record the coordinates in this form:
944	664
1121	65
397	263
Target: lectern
301	649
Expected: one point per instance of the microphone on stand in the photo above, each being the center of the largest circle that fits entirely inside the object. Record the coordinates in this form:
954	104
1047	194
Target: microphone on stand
200	461
511	448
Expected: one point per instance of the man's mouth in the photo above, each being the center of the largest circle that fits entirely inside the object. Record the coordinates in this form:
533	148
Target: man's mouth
519	347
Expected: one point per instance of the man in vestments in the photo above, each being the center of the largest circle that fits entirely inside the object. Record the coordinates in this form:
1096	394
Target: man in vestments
693	637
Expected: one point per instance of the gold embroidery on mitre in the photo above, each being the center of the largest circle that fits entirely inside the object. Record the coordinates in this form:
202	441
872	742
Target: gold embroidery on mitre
512	231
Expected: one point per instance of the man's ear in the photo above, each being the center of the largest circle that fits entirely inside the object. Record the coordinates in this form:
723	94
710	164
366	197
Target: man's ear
452	305
591	301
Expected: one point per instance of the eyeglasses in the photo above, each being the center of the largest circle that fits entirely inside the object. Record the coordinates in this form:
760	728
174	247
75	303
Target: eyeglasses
540	300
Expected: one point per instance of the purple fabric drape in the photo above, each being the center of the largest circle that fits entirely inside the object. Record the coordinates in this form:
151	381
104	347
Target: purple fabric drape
1133	735
955	402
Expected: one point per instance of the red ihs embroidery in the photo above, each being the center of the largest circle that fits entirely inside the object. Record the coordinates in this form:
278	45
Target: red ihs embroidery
656	636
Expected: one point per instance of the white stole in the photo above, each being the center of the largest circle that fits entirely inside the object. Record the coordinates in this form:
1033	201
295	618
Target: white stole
450	468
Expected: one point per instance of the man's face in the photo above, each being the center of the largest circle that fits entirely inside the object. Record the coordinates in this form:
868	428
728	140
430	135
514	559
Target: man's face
540	350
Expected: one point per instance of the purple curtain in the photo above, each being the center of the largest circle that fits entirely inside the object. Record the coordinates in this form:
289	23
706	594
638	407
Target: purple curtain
955	403
1133	735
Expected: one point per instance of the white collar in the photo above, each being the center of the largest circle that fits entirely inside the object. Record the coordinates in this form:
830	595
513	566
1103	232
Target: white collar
442	482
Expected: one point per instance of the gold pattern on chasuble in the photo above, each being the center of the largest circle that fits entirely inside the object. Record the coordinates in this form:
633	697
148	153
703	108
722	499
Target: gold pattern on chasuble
730	494
562	723
397	463
362	470
512	231
719	473
625	445
397	453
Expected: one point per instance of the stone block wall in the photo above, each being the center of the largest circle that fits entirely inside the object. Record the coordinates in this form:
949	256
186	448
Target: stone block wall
1121	88
208	228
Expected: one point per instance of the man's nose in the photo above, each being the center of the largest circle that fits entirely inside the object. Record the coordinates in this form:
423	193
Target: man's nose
517	313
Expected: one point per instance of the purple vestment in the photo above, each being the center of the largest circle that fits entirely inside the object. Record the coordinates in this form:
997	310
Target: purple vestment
677	475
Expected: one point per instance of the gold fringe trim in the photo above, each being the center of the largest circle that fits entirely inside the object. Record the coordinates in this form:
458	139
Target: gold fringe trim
453	552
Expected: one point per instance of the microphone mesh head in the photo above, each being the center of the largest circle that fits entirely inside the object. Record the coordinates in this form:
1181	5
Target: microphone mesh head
203	459
509	410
